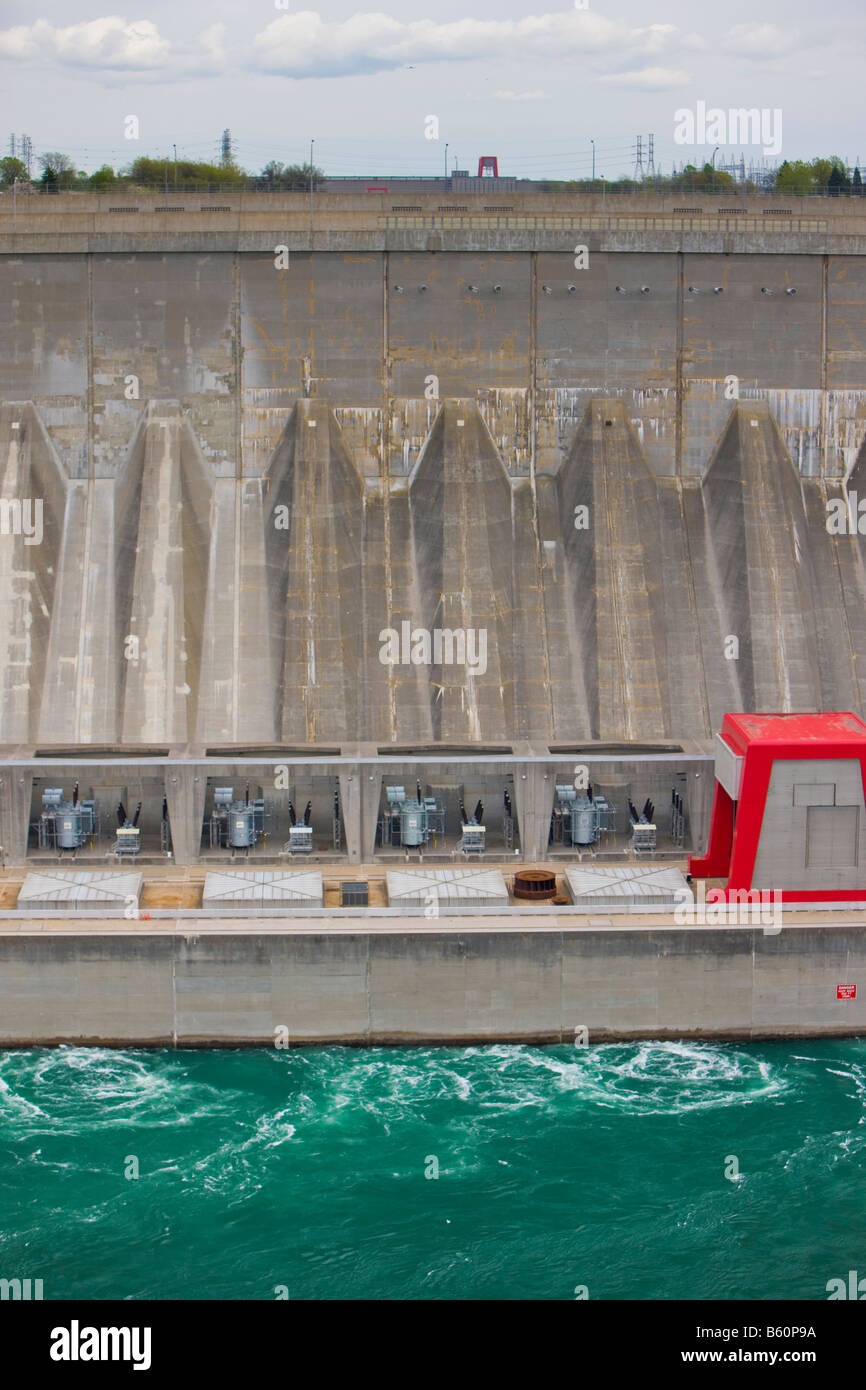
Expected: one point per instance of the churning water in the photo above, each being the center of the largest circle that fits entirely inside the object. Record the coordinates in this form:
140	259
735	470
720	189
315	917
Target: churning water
643	1171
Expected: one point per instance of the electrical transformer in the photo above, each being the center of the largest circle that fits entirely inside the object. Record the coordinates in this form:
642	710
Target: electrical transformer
66	825
236	824
411	821
578	815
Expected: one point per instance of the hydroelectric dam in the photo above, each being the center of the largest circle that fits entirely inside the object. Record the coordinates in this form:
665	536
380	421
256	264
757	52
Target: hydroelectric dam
376	501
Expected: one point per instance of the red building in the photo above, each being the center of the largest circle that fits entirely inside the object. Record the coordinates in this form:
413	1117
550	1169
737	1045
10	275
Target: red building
789	813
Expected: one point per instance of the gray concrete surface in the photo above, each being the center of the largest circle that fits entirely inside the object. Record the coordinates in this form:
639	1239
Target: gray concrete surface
392	510
249	474
431	983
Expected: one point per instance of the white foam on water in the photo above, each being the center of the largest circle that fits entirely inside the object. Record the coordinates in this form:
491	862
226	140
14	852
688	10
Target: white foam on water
100	1088
272	1130
13	1106
639	1078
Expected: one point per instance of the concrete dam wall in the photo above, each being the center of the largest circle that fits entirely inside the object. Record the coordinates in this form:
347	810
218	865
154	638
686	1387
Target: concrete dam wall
435	984
618	473
327	493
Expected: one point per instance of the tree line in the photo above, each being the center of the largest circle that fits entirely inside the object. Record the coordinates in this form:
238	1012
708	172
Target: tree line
827	177
59	175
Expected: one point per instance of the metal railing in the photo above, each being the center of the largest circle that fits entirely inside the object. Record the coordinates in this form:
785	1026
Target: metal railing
436	186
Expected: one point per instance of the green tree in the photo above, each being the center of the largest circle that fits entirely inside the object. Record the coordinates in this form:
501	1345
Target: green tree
705	180
797	177
148	173
718	178
103	178
836	182
856	181
273	171
58	171
161	173
12	170
291	177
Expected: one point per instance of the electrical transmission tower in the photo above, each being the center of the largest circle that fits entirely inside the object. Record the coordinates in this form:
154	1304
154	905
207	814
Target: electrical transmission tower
638	159
650	163
21	147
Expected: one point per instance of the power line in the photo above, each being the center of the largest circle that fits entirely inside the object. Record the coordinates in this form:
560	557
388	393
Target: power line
348	156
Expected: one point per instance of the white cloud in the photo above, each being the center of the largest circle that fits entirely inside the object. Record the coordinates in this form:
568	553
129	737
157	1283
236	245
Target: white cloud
306	45
648	79
113	46
521	96
761	41
111	43
206	54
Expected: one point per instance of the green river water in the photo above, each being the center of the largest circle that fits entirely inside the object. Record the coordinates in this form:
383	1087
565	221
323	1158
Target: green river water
643	1171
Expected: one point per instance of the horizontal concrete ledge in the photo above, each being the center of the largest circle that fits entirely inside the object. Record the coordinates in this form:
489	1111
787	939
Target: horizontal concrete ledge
452	984
155	242
384	921
79	757
600	1038
356	916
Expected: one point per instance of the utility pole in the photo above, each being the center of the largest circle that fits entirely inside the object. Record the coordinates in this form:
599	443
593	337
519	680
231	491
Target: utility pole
592	142
446	159
312	143
174	147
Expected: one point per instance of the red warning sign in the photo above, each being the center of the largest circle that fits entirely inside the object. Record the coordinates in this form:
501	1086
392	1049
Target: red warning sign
846	991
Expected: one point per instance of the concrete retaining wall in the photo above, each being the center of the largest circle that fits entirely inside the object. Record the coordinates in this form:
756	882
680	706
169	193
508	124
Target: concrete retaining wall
448	985
432	415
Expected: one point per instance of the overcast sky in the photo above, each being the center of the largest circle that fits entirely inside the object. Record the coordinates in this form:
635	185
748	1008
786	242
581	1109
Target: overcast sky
532	82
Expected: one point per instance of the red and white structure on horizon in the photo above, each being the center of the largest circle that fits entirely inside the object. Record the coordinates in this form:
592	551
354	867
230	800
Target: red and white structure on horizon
789	811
